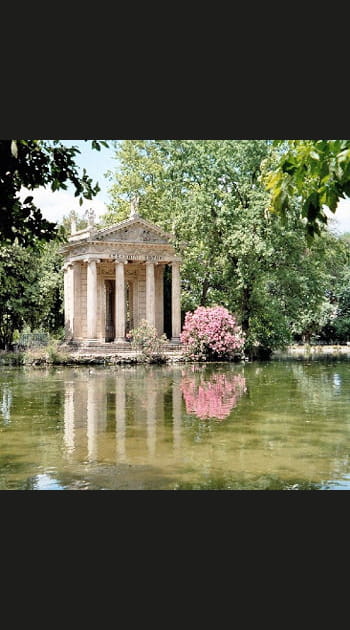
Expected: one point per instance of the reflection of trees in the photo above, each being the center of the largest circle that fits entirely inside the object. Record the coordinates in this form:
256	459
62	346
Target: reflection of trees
319	383
211	394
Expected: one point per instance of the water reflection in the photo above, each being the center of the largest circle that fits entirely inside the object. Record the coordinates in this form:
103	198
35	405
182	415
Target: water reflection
254	426
120	422
131	403
5	405
211	396
138	408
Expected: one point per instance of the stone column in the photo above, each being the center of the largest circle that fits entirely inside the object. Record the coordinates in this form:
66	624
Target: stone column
91	298
150	294
159	280
135	305
119	302
69	300
175	303
79	308
66	304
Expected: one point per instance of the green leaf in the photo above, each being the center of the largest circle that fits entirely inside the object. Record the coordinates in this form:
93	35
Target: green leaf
332	199
312	207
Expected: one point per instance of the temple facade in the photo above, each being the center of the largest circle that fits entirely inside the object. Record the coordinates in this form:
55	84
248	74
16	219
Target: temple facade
114	278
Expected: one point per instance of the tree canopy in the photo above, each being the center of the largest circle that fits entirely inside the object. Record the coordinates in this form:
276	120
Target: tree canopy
211	194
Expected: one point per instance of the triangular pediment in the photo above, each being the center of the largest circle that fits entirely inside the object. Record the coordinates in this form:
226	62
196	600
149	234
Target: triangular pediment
133	230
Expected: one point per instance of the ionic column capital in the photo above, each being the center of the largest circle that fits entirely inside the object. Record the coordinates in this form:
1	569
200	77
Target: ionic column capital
91	259
68	265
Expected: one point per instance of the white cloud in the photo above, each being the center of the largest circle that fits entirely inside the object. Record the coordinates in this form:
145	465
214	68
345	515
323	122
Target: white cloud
55	205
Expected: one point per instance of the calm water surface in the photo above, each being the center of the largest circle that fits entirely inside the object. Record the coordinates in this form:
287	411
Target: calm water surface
275	425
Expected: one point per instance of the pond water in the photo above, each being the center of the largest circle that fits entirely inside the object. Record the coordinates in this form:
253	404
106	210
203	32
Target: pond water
279	425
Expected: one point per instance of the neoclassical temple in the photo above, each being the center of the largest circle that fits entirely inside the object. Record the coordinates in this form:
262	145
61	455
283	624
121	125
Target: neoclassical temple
114	278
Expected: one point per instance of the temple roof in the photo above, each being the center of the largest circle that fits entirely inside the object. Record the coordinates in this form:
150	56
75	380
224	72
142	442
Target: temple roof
132	230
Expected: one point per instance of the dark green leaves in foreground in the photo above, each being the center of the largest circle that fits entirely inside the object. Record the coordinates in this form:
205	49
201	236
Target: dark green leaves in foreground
30	164
317	172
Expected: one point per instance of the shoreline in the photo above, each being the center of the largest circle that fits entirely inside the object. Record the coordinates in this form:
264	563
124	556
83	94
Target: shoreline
51	356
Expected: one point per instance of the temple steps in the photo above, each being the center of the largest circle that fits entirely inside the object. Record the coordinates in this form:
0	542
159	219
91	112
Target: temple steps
112	348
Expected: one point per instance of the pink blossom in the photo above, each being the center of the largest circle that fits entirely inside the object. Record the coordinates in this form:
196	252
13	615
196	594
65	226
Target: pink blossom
211	332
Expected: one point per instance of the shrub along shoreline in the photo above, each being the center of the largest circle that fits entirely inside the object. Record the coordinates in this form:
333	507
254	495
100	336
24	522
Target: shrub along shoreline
53	355
46	357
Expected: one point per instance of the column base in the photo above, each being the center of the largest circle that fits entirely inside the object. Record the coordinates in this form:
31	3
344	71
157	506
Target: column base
175	340
120	340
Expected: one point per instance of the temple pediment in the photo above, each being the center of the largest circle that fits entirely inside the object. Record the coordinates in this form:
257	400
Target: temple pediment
135	230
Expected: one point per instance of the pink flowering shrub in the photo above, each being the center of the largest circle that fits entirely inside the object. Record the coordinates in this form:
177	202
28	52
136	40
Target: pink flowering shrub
211	333
212	397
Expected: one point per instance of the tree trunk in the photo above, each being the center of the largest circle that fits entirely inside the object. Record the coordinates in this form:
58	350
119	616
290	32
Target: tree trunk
203	301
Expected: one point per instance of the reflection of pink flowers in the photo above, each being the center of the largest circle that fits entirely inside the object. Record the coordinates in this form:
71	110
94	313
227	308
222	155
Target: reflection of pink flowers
214	397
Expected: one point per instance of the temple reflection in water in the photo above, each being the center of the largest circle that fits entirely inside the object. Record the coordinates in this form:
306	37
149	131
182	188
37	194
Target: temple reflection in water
139	410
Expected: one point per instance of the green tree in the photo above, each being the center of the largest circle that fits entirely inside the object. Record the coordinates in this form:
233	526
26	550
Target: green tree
31	290
338	326
317	171
80	221
48	312
211	194
30	164
143	172
18	293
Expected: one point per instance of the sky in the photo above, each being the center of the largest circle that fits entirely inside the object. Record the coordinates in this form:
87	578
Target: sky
55	205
